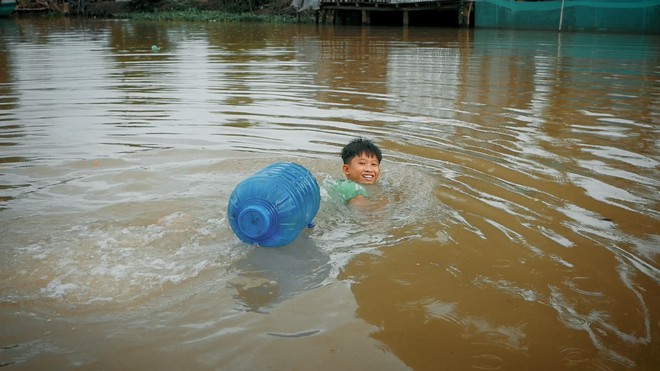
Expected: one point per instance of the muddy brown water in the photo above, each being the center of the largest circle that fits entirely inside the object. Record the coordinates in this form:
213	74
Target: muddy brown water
521	169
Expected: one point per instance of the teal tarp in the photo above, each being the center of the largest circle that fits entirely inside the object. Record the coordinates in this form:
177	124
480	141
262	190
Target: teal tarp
638	16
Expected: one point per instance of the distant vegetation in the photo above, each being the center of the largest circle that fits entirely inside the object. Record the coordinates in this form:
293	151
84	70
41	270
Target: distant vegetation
211	16
232	6
272	11
248	9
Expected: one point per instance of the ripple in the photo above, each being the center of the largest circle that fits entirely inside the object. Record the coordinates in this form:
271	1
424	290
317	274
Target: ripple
574	355
574	320
486	362
294	335
444	311
582	358
501	263
574	286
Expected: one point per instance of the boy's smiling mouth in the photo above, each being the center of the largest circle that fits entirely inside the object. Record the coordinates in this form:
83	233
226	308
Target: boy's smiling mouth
368	177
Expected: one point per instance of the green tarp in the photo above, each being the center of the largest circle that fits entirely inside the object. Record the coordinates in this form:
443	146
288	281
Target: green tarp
636	16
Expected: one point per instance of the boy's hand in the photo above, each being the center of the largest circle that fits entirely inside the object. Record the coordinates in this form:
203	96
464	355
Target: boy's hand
363	203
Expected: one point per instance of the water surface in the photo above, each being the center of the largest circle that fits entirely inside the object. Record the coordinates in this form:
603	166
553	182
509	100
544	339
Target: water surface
521	170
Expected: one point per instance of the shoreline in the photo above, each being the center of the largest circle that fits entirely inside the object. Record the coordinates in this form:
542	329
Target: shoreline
123	10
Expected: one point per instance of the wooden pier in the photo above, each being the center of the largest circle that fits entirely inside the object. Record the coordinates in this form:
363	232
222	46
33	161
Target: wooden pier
332	11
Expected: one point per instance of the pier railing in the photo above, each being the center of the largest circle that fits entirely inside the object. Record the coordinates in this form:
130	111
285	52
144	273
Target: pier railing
463	8
413	4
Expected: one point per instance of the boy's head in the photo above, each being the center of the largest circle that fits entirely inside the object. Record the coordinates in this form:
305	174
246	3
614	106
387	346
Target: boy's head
361	161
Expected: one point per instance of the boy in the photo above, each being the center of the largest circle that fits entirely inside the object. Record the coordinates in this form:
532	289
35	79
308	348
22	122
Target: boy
362	167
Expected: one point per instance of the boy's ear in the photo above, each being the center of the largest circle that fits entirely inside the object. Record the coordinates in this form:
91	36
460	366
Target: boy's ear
345	169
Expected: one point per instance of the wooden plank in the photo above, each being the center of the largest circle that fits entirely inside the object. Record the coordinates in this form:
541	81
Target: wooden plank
388	5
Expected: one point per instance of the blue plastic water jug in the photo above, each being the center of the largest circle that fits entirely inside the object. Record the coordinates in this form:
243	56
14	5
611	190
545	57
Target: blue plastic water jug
272	207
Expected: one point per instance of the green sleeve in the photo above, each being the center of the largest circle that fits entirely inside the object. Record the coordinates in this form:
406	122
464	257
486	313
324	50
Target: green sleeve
349	189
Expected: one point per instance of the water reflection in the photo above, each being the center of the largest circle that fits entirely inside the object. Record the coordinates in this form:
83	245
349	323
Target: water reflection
520	168
268	276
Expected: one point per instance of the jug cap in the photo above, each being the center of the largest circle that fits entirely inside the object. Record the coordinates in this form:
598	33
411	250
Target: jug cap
257	221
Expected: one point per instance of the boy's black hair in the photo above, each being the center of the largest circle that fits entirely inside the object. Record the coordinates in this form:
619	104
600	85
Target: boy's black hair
358	146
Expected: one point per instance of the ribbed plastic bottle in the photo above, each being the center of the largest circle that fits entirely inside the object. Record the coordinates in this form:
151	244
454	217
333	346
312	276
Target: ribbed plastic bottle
272	207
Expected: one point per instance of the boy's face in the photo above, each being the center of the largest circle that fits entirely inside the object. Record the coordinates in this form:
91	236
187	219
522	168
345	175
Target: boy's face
363	169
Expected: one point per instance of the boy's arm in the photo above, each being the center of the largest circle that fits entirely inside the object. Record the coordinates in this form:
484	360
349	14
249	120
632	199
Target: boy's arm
359	201
364	203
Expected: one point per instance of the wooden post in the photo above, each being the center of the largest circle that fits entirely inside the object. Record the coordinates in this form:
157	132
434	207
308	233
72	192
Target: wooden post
470	5
366	18
561	15
405	18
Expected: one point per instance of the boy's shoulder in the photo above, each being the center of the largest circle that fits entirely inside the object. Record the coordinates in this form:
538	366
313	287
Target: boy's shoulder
349	189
